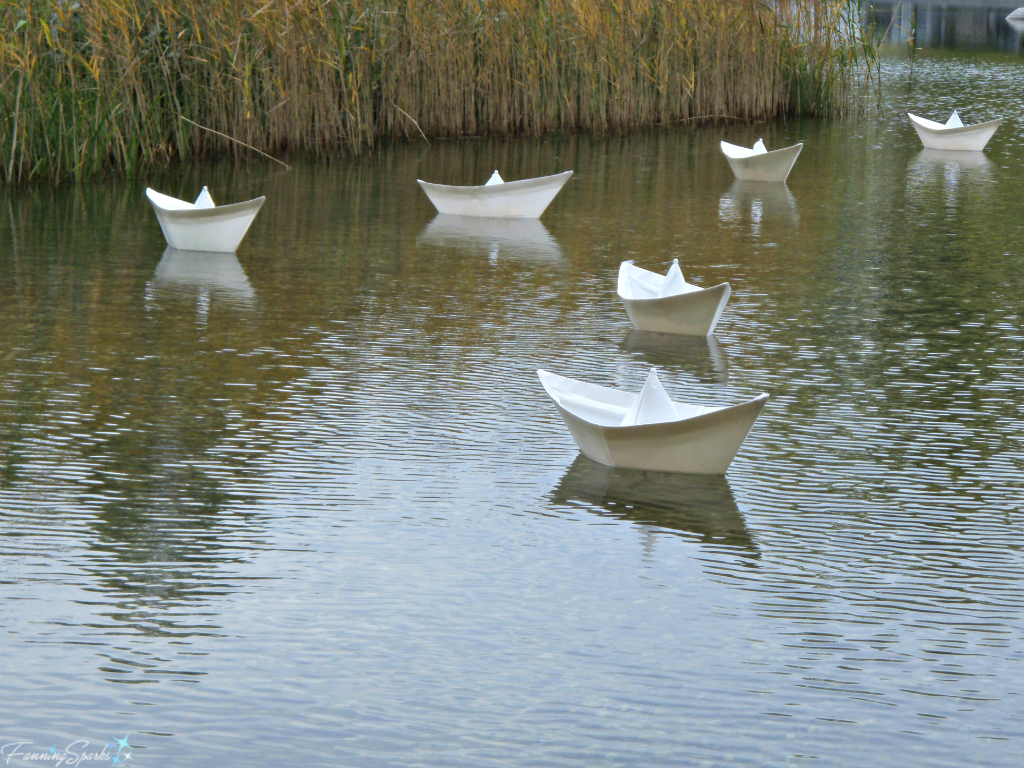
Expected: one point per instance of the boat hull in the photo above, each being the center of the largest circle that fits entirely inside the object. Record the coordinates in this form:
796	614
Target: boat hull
767	166
524	199
218	229
968	138
705	445
694	313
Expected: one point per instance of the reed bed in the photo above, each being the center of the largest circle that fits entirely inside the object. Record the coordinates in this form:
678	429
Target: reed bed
121	85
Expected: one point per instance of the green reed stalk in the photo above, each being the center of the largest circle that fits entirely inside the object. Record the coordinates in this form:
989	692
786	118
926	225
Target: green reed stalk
108	81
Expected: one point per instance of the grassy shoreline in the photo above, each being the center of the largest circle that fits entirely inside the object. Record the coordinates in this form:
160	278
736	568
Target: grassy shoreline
112	85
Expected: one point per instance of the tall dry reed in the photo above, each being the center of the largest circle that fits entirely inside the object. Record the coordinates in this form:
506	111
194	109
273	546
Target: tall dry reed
105	84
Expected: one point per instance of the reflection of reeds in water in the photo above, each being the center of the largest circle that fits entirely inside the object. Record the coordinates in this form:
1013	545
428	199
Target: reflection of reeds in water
700	505
700	355
88	86
524	238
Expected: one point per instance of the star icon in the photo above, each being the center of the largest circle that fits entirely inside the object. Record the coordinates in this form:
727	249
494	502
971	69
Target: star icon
115	760
53	750
122	743
127	757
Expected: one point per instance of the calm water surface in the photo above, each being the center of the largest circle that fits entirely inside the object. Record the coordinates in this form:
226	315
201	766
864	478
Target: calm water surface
310	506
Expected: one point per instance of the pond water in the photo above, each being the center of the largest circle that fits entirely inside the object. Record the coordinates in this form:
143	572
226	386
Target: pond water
309	505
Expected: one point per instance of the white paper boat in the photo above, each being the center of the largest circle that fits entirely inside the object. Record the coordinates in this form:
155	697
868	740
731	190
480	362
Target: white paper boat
954	134
527	238
669	304
203	226
650	431
524	199
758	164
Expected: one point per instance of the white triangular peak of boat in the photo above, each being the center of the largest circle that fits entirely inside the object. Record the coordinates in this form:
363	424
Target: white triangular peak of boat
652	405
674	282
954	121
205	200
497	198
699	439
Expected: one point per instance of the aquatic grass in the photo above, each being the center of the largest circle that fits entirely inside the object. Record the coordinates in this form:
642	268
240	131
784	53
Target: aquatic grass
121	85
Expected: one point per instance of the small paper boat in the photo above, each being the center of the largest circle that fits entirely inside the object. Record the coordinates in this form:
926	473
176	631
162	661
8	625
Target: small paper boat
758	164
524	199
954	134
650	431
203	226
669	304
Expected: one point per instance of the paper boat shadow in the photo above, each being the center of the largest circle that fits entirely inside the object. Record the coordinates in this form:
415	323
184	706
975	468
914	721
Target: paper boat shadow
756	201
964	161
701	355
521	238
216	273
690	504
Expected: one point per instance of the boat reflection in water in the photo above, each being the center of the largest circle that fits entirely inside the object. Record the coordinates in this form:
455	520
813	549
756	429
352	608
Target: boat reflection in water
696	505
700	355
205	276
951	169
757	202
520	238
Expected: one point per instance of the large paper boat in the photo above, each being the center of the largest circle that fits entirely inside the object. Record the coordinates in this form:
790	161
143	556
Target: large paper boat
650	431
954	134
202	225
758	164
524	199
669	304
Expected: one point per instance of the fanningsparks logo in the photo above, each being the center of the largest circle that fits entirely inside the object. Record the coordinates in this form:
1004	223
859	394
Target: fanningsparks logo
77	753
